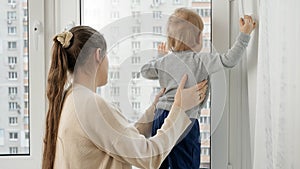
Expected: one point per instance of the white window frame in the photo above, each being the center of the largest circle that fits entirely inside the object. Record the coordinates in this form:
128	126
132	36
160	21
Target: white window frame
38	104
220	25
10	28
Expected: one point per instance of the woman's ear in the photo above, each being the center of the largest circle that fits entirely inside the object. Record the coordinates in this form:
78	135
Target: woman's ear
98	54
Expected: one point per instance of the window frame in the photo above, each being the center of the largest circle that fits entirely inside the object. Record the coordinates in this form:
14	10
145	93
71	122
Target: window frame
37	103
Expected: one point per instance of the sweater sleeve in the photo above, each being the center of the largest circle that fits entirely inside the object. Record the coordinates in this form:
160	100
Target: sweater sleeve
110	132
144	124
216	61
149	70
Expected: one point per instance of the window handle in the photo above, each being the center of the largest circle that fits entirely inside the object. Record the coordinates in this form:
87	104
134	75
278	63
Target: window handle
37	29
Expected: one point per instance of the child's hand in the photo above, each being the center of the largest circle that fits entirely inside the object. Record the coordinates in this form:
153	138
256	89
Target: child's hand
162	48
247	25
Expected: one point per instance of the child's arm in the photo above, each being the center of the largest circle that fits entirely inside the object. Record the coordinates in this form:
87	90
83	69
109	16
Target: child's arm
215	62
149	70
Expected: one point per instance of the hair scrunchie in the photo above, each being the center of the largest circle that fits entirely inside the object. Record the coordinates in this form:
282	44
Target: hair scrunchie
64	38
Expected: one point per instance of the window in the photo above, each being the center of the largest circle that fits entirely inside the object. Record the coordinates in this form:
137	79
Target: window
13	106
26	104
135	90
157	29
25	43
136	105
13	150
155	44
12	30
114	91
26	120
114	75
25	74
11	15
136	45
204	12
13	136
26	89
177	1
131	47
156	2
13	120
12	45
136	2
11	2
135	75
12	90
136	14
157	14
117	104
12	75
135	59
136	29
12	60
25	13
115	15
27	135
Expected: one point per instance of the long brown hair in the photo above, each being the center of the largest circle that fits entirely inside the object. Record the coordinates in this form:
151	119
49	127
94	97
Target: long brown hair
183	30
63	61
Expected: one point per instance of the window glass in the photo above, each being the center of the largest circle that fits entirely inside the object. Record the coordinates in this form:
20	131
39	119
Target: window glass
14	77
126	87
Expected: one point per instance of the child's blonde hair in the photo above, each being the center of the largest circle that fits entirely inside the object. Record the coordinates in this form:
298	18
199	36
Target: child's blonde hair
183	30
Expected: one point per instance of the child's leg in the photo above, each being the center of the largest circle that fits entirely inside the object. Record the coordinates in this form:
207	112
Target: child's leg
158	121
186	154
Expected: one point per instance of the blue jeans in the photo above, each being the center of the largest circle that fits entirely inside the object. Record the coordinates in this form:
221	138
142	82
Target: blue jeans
186	153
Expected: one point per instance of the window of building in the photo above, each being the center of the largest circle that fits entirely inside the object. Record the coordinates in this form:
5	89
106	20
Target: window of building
155	44
136	14
27	135
12	45
135	60
114	91
136	44
156	2
13	150
12	30
12	90
136	2
25	43
115	15
157	29
136	29
177	2
13	106
136	105
12	60
117	104
26	89
13	120
13	136
26	120
25	12
12	75
136	90
157	14
26	104
25	74
11	2
135	75
204	12
114	75
11	15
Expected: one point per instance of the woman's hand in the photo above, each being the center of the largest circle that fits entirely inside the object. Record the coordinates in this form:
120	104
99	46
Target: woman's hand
162	48
190	97
247	25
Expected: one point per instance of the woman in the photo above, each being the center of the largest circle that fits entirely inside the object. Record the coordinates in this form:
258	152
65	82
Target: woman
83	130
